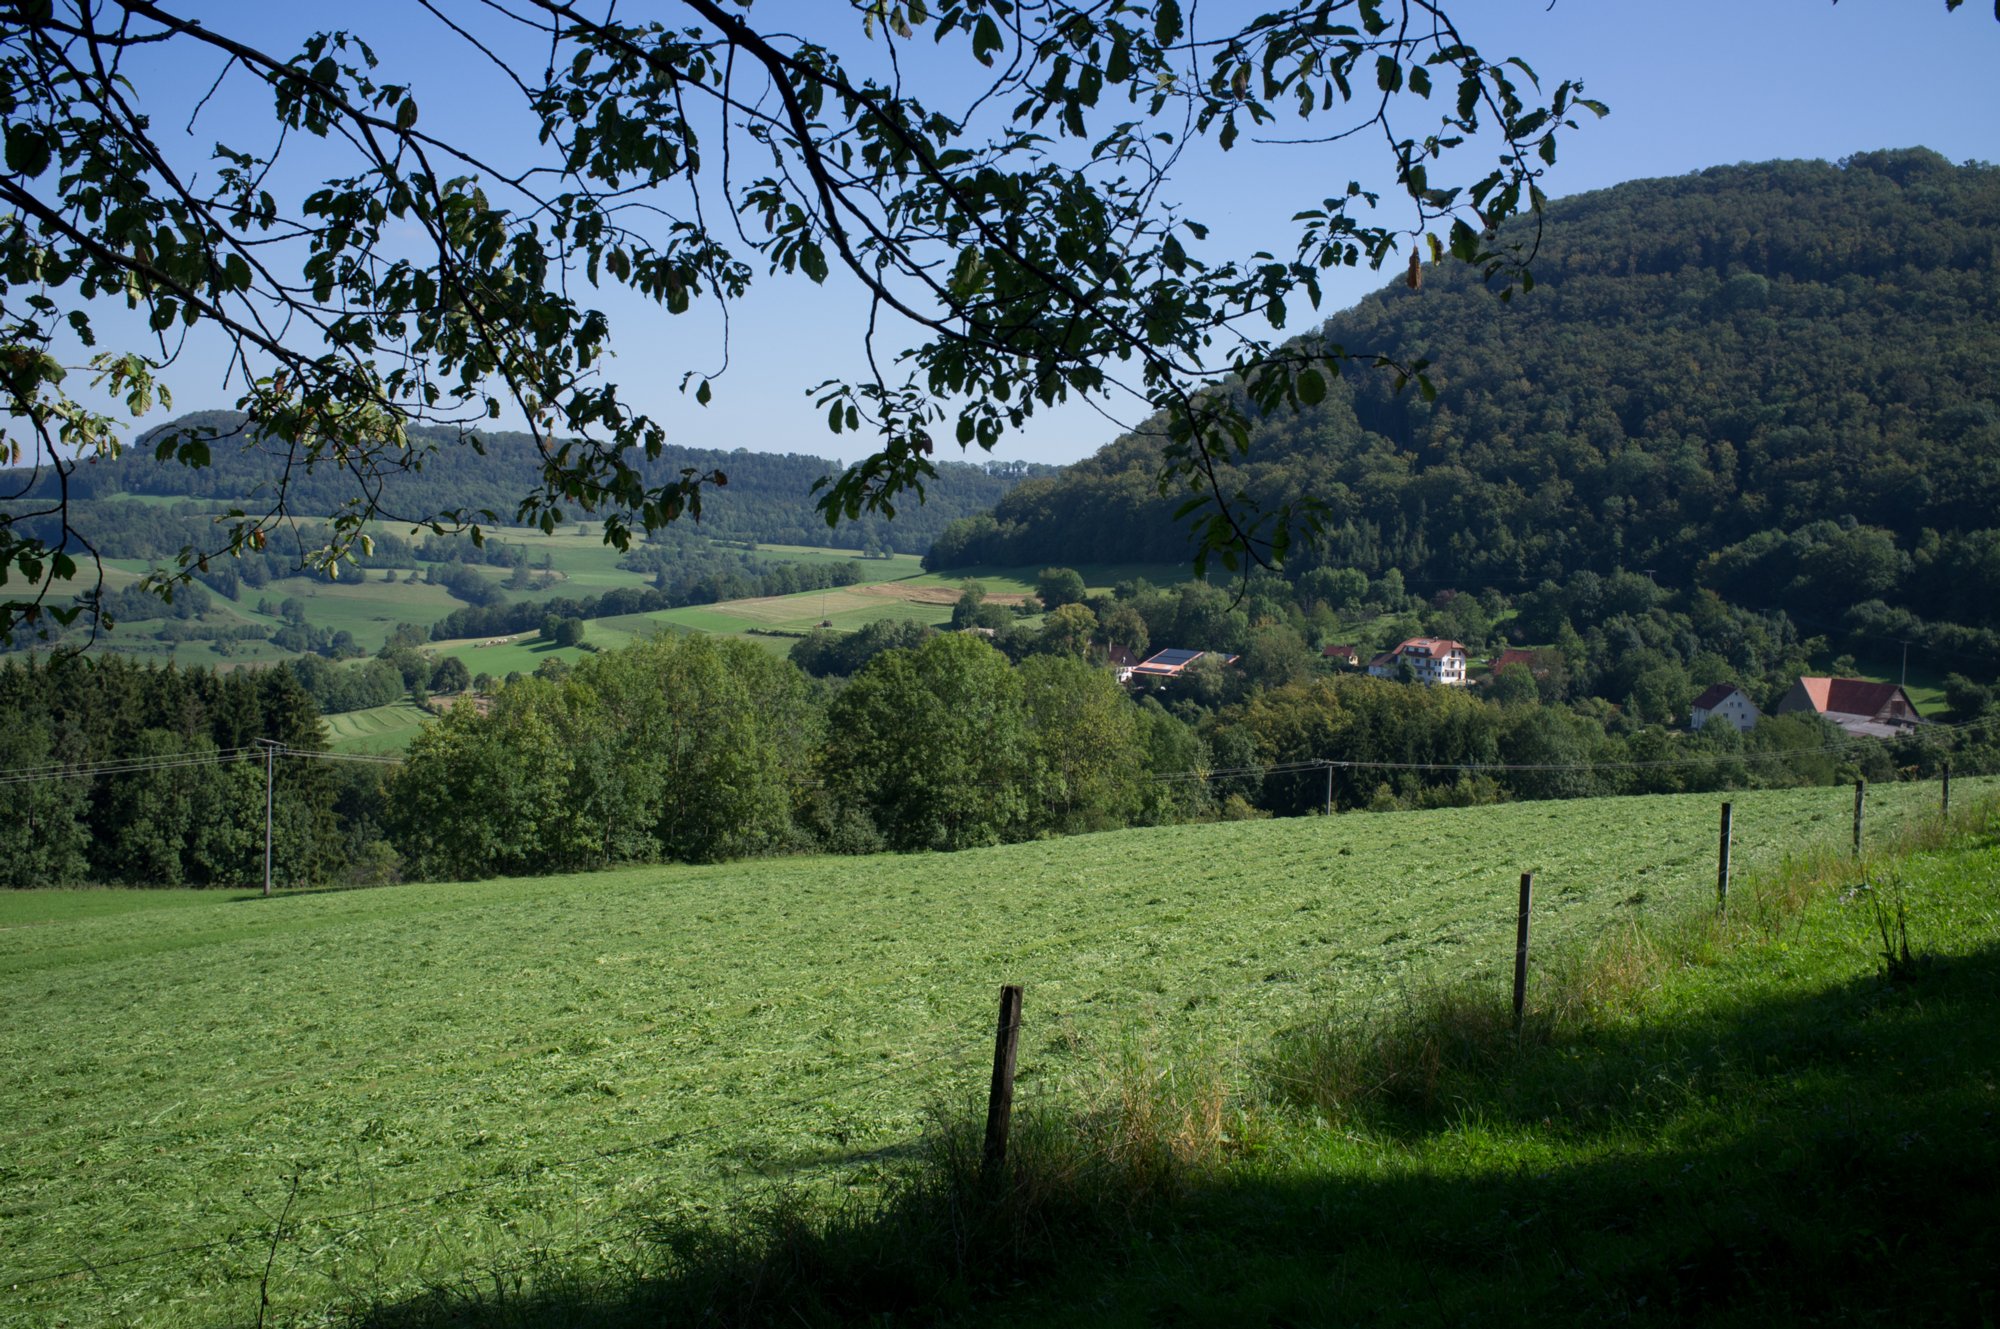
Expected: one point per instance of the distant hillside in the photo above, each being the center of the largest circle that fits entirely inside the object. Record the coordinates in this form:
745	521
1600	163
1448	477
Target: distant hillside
1780	380
769	496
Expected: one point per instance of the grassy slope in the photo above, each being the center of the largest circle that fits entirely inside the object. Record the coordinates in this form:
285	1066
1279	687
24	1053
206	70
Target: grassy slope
376	729
1765	1120
897	587
1781	1131
188	1053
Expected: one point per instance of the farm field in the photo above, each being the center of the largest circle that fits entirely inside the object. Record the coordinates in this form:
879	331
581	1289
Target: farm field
377	729
925	597
371	607
730	1029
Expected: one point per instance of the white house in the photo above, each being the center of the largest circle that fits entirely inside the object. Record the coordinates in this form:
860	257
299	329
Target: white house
1431	659
1724	701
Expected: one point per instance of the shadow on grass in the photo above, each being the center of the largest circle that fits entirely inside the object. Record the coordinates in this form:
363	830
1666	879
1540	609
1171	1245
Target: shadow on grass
1827	1158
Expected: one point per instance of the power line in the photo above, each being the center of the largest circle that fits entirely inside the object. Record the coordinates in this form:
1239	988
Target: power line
124	766
127	765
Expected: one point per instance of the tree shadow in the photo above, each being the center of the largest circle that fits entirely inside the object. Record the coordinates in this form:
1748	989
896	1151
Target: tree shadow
1830	1157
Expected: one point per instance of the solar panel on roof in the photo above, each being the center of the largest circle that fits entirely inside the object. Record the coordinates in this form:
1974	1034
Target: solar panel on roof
1173	658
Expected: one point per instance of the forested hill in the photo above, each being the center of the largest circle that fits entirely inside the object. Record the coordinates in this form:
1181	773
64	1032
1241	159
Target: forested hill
768	498
1781	380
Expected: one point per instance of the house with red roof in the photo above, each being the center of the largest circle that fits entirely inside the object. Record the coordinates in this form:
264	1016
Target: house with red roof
1431	659
1725	702
1858	705
1342	655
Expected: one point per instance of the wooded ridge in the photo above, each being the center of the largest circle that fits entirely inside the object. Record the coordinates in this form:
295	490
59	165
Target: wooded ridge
1780	381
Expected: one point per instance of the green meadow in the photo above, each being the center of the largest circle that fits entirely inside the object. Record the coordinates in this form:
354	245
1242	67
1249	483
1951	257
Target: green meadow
378	729
429	1081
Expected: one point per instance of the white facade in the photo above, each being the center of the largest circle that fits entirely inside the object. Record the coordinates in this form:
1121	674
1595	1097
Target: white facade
1732	707
1431	659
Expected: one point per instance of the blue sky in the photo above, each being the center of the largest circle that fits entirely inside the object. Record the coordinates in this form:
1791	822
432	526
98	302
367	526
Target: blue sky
1690	84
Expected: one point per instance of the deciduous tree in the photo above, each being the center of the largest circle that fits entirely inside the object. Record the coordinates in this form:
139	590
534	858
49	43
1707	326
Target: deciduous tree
1015	235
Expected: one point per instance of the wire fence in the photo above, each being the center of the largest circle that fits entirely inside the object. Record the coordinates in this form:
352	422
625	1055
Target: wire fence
1937	732
939	1048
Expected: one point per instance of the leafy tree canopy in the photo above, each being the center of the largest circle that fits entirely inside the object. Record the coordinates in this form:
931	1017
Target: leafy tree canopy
1016	233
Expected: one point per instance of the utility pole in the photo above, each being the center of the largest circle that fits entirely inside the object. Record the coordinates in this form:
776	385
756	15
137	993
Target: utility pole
1329	787
270	766
1906	664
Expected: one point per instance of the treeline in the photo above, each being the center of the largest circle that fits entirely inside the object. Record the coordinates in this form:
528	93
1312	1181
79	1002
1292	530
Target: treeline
695	748
698	748
1775	381
171	815
768	498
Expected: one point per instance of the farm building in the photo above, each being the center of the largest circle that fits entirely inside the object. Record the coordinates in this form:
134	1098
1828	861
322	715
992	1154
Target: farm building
1431	659
1173	663
1859	706
1727	702
1342	655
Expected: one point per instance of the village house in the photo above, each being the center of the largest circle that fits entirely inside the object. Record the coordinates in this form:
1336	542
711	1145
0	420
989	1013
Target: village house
1122	660
1726	702
1862	708
1431	659
1342	655
1173	663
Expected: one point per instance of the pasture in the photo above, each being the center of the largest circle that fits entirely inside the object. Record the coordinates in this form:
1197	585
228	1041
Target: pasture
377	729
467	1075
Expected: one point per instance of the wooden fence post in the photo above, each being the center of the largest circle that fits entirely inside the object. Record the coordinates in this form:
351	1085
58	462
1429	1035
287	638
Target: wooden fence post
1000	1098
1860	797
1945	810
1521	954
1722	864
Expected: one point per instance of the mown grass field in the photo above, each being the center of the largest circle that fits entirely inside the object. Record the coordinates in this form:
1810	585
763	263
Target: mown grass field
176	1058
377	729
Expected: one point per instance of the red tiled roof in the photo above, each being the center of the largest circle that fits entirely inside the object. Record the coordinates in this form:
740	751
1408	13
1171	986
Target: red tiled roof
1339	652
1432	646
1852	696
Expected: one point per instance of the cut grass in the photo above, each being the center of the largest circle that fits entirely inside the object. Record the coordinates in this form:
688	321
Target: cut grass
1779	1117
782	1021
378	729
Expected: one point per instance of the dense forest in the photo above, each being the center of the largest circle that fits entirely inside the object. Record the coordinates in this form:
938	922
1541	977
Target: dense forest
768	498
1779	381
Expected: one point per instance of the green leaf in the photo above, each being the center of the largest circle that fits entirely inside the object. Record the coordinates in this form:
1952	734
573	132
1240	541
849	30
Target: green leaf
1167	22
813	260
27	150
406	115
1312	388
985	39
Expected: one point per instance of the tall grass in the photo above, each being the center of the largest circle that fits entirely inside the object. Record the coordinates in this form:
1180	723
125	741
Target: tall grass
1417	1060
